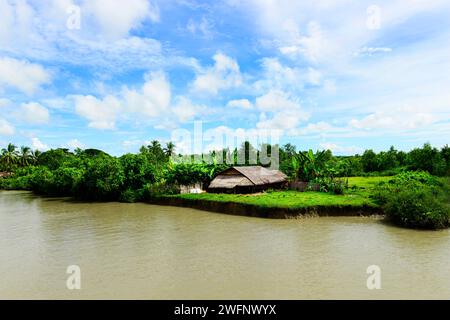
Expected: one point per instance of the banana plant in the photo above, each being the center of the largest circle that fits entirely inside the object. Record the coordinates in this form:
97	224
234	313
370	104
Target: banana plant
310	165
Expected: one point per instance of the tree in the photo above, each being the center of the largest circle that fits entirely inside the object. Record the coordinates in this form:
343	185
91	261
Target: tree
9	156
25	156
34	155
169	149
137	170
369	161
428	159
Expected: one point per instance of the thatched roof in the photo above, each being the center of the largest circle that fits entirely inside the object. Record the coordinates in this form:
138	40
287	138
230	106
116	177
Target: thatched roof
247	176
5	174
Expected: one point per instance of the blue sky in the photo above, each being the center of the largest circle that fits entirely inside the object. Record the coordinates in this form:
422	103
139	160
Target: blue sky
328	74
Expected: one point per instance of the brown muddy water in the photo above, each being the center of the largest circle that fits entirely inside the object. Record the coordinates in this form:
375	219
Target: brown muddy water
142	251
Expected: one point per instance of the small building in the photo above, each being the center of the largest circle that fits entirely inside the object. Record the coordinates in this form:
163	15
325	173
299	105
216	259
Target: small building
247	180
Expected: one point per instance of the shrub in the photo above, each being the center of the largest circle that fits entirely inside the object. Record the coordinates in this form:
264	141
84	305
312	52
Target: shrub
417	209
332	185
414	200
157	189
131	196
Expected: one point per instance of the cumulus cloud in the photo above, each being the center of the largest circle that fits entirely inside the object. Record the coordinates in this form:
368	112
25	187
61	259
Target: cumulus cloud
116	18
34	113
37	144
101	113
152	99
185	110
6	129
282	120
22	75
225	74
276	100
150	104
240	103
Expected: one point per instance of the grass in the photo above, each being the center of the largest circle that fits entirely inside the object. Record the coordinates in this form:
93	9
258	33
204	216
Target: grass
357	195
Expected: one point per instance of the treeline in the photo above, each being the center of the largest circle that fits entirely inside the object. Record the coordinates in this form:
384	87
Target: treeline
93	174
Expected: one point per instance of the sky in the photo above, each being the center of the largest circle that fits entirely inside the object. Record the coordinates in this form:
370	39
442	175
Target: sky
327	74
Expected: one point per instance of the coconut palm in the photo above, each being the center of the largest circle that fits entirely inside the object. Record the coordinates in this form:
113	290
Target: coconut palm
169	149
34	155
9	156
25	156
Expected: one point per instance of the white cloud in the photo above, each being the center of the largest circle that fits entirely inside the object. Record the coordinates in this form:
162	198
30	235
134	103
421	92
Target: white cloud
311	46
369	51
225	74
6	129
276	100
74	144
405	118
39	32
185	110
150	104
279	76
204	27
37	144
22	75
152	99
283	120
314	76
116	18
101	113
34	113
339	149
240	103
5	102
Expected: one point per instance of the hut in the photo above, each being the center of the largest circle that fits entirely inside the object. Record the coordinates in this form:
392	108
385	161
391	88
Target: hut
247	180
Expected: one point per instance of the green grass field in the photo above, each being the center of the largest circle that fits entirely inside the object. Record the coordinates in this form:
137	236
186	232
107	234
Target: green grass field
357	195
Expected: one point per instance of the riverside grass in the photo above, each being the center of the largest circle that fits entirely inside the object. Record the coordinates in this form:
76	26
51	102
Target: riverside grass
358	195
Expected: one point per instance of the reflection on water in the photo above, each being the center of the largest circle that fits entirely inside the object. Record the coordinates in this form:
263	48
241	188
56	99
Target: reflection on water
141	251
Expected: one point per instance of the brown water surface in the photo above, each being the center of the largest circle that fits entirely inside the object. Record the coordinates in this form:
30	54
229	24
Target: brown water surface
141	251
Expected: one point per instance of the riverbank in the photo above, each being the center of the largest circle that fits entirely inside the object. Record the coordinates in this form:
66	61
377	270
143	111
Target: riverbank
285	204
275	211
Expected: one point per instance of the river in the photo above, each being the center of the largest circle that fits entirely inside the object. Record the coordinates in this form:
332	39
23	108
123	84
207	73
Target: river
142	251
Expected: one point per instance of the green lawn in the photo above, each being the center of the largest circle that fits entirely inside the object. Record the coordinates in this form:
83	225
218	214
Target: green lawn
366	182
357	195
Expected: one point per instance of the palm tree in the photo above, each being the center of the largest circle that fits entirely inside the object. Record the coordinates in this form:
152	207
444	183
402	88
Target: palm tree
169	149
154	145
34	155
9	156
25	156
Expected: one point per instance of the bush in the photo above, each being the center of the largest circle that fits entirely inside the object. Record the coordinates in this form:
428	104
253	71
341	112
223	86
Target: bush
131	196
157	189
102	180
332	185
414	200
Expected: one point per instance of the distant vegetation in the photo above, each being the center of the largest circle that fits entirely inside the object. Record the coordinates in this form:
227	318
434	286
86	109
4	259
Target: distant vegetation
94	175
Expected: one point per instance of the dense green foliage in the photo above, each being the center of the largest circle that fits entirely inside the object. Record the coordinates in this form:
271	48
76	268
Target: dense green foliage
415	200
